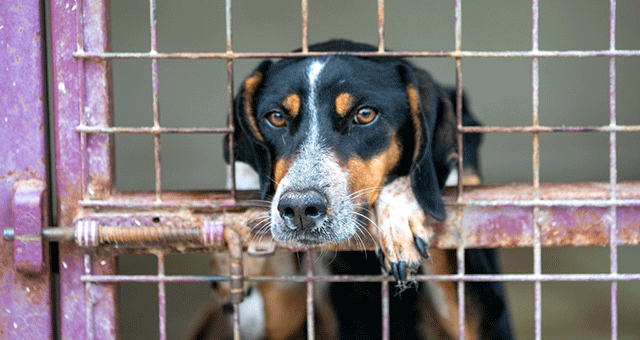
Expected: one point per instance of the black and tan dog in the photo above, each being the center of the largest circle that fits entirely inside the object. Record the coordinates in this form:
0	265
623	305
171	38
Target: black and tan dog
340	140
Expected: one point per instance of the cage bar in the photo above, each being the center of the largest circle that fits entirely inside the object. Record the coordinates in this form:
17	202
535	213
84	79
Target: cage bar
537	204
386	54
613	174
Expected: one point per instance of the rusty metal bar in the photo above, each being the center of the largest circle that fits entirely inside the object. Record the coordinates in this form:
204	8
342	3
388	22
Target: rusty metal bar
236	278
539	128
153	23
305	26
230	123
372	278
537	251
381	42
460	258
463	129
149	130
386	322
81	98
613	179
89	318
311	334
387	54
162	297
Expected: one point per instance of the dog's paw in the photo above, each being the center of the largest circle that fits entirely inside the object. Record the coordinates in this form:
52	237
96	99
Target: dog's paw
402	232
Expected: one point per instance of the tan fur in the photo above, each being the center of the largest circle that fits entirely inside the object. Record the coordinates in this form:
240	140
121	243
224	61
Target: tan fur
443	299
344	103
292	104
371	174
280	169
414	111
250	87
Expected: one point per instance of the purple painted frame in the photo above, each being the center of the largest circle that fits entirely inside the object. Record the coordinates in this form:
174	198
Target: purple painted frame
76	25
25	279
520	216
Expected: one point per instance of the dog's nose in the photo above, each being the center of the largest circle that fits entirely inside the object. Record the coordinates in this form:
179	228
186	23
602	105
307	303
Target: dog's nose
302	209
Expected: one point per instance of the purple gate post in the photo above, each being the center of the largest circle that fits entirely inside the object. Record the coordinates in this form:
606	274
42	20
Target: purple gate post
25	291
81	91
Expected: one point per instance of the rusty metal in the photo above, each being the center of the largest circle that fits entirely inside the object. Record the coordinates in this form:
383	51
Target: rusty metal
26	310
162	298
538	128
305	27
581	216
149	130
501	216
230	103
310	311
72	163
29	216
381	42
537	252
386	331
386	54
613	175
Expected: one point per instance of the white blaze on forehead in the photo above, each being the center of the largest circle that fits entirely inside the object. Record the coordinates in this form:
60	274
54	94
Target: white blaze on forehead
313	73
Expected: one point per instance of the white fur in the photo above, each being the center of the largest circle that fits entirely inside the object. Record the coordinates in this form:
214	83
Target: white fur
313	74
252	316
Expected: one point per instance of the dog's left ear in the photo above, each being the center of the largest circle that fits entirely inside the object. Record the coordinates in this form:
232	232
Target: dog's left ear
434	127
249	144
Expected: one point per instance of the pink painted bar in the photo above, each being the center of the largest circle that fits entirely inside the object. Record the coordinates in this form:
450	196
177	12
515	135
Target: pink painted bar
25	277
73	170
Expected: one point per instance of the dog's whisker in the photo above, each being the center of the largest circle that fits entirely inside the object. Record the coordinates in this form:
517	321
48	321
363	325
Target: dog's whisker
364	191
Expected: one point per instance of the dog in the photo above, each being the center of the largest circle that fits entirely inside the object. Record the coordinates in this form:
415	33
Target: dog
341	141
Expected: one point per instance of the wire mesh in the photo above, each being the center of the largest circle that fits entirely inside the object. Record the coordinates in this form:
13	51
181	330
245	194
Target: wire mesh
539	199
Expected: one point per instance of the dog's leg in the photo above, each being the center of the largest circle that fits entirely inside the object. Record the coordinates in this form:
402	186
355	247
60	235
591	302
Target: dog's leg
402	229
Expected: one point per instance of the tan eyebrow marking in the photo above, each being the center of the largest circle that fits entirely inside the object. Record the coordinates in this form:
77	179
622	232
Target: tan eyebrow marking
292	104
344	103
250	87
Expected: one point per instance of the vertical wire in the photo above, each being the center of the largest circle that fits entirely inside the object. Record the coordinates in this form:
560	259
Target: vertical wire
385	280
311	334
82	94
381	42
162	298
156	108
537	251
385	308
460	249
613	170
230	124
305	26
88	298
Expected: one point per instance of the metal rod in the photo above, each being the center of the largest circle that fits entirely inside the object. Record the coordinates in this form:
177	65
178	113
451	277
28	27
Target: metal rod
387	54
162	298
148	130
153	28
613	173
381	42
375	278
311	334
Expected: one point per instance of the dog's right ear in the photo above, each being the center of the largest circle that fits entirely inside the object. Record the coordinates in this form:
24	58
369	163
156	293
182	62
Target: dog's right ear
249	143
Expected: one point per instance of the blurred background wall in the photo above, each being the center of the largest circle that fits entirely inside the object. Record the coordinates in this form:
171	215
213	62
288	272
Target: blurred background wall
573	91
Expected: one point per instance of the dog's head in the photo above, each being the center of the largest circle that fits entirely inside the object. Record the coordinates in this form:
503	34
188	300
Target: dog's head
325	134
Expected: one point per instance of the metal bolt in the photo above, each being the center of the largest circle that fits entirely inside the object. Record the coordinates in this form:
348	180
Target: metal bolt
90	234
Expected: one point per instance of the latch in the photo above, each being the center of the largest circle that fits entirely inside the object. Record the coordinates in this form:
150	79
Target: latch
29	216
89	233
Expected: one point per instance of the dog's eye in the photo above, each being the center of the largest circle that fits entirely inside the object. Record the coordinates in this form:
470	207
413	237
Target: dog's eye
276	118
365	115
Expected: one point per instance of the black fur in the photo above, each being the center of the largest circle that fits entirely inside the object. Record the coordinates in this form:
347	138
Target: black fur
358	304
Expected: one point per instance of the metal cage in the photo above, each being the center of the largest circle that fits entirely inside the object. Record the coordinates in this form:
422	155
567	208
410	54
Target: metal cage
96	222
